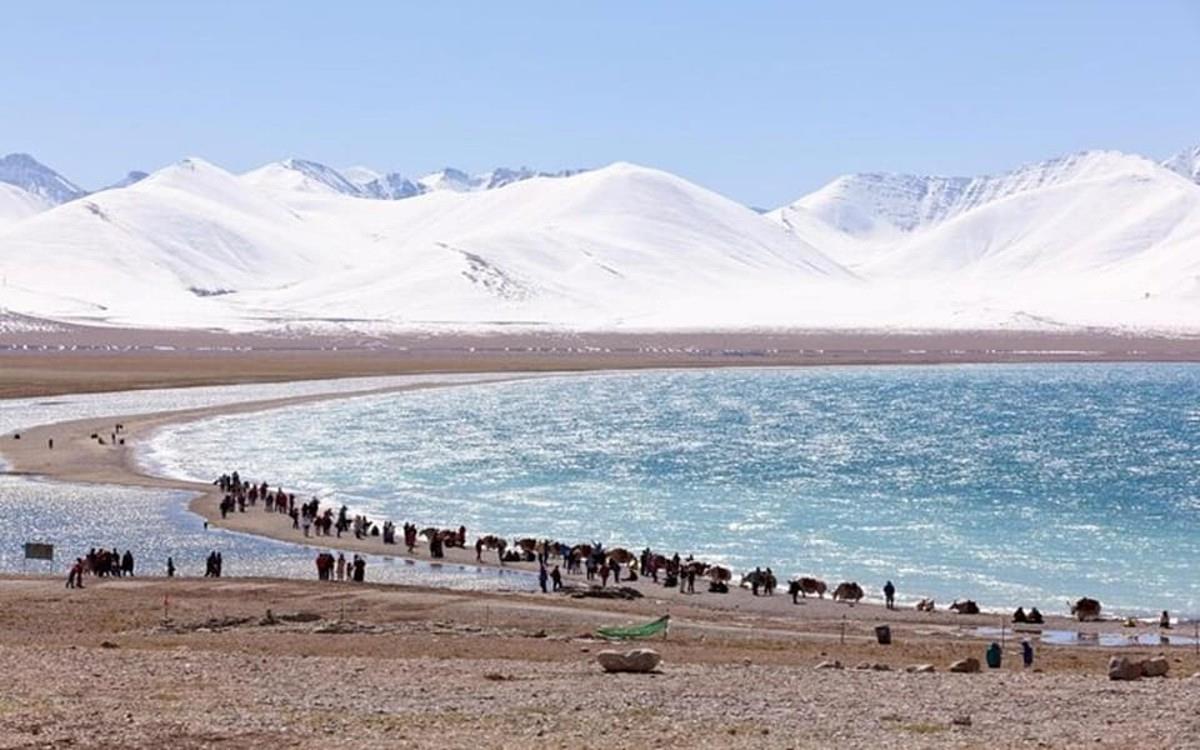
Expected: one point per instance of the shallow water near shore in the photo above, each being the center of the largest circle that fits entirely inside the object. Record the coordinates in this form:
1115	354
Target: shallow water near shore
1021	484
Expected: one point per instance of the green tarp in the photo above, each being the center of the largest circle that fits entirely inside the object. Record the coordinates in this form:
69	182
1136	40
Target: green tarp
636	631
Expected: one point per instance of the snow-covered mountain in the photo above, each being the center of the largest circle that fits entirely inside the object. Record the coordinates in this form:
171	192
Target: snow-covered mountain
1092	239
129	179
1097	238
27	173
301	175
389	187
17	204
1186	163
194	245
364	182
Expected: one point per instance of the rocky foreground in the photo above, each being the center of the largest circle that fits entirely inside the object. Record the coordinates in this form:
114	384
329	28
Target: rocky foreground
194	663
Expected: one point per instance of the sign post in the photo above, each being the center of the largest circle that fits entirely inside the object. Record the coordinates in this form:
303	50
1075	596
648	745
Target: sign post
39	551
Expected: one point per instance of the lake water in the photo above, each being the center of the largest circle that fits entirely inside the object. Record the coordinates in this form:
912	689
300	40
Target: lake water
156	524
1023	484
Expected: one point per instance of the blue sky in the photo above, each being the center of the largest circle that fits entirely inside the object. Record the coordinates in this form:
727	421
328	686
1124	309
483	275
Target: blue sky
760	101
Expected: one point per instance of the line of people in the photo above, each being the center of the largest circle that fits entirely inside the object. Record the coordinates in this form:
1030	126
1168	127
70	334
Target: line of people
330	568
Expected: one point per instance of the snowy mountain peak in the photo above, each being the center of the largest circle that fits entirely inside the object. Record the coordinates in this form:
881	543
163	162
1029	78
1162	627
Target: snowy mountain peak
395	186
449	179
302	175
879	205
27	173
1186	163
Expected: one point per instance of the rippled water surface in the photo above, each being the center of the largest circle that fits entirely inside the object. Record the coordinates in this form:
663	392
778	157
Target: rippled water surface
156	524
1008	484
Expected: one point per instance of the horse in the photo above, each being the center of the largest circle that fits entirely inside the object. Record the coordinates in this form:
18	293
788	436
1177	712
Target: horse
1085	609
848	591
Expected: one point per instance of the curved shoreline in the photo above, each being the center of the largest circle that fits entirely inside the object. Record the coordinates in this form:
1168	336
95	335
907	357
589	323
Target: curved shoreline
77	458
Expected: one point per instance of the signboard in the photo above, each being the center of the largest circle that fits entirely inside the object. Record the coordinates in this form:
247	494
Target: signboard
36	551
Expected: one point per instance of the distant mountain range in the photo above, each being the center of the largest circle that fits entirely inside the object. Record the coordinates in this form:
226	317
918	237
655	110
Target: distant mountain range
1097	238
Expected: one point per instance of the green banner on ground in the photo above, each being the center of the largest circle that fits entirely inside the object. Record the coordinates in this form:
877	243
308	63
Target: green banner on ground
636	631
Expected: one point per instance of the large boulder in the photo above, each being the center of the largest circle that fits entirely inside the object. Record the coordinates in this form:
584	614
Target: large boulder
639	660
970	665
1155	667
1122	668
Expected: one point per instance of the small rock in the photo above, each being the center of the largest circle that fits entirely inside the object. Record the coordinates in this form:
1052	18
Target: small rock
108	644
970	665
1121	668
830	665
961	721
640	660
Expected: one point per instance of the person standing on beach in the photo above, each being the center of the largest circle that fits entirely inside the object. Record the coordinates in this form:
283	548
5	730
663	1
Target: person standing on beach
341	567
603	575
1027	652
75	574
170	568
542	577
556	578
889	594
360	569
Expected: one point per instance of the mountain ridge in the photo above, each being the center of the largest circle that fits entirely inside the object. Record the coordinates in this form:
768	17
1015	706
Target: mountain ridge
1095	238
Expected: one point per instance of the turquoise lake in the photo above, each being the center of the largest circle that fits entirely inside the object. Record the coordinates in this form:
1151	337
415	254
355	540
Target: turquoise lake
1021	484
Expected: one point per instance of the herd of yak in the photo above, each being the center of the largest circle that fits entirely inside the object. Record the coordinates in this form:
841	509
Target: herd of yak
719	576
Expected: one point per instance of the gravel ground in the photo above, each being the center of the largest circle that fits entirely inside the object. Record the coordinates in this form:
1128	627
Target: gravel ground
388	667
187	698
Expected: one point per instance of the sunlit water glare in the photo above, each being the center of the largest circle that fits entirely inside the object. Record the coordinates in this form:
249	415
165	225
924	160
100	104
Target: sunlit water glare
1023	484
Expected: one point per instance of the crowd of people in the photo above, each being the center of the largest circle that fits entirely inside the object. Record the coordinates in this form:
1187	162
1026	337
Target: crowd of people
101	563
